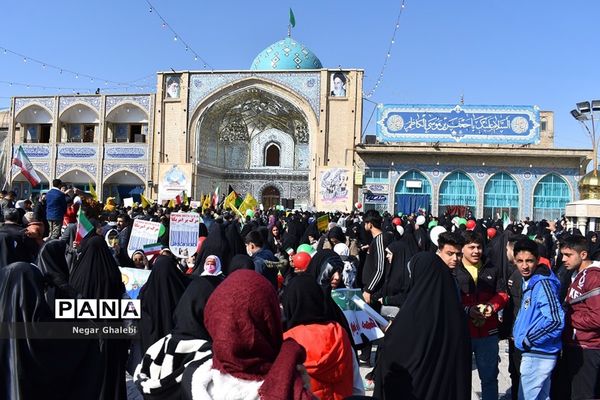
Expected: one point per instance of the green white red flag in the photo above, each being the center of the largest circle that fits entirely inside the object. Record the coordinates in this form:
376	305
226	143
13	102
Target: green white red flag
84	226
22	162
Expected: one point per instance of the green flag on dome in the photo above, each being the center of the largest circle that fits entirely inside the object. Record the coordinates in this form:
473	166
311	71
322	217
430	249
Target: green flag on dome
292	19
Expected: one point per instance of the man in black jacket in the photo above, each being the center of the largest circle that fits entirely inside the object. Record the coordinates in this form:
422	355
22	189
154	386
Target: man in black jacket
374	268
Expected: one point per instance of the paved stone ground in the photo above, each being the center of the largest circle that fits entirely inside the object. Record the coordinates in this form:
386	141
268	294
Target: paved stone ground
503	379
503	376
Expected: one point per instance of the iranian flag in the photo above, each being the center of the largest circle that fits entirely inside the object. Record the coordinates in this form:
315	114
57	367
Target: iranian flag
22	162
84	226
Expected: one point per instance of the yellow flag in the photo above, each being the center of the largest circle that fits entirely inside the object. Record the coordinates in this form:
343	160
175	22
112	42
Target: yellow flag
186	199
146	202
206	203
172	203
249	203
230	200
93	191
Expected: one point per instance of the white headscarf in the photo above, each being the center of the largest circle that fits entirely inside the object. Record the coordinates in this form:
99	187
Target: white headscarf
341	249
217	267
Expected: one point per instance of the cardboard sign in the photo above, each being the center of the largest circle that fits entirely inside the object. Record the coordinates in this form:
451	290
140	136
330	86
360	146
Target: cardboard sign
195	204
361	324
184	229
128	202
134	279
142	233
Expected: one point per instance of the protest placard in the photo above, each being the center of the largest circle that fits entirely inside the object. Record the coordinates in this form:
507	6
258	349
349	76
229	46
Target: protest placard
142	233
128	202
361	324
323	223
184	229
134	279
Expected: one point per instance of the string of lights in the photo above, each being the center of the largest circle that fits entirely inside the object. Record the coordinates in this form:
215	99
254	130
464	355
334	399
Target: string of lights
177	37
79	89
389	52
62	70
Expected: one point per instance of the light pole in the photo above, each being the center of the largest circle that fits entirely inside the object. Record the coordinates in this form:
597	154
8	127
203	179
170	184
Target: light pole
584	112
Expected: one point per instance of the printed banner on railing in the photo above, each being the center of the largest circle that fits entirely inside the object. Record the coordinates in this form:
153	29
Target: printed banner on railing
184	229
142	233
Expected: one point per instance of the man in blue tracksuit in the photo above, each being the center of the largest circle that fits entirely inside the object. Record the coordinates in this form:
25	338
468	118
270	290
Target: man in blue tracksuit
540	321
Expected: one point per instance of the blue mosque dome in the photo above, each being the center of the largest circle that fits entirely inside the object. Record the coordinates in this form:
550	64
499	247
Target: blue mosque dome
286	54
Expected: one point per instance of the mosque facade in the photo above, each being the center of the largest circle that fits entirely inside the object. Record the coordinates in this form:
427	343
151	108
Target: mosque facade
289	131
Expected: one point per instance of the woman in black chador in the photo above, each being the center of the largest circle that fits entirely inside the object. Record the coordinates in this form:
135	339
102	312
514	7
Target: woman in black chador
427	348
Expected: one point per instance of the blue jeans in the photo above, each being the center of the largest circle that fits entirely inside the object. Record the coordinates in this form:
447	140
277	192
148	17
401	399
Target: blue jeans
536	371
486	357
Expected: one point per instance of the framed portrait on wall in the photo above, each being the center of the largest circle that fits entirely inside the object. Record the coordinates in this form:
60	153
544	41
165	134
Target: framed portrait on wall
172	86
337	84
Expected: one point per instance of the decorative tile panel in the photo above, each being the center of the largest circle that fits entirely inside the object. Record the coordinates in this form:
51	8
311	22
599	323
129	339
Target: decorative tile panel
286	148
92	101
114	101
47	102
109	168
44	167
79	152
63	167
125	152
302	156
39	151
300	192
305	84
236	156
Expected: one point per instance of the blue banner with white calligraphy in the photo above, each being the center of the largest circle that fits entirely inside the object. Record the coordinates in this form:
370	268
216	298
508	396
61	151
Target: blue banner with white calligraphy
458	123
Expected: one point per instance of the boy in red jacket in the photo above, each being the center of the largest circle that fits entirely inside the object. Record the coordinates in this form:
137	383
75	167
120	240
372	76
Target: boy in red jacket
582	325
483	294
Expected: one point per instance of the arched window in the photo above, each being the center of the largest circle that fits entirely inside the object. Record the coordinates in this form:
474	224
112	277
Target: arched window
551	195
457	190
272	154
413	182
413	192
501	196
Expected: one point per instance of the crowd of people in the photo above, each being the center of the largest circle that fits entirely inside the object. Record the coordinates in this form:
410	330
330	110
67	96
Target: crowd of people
250	315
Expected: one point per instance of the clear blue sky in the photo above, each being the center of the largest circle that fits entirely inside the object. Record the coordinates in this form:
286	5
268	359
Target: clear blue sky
494	52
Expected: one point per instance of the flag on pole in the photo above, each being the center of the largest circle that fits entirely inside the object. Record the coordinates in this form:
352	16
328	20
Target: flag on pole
186	199
215	199
230	200
178	199
22	162
84	226
93	191
171	203
249	203
292	19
